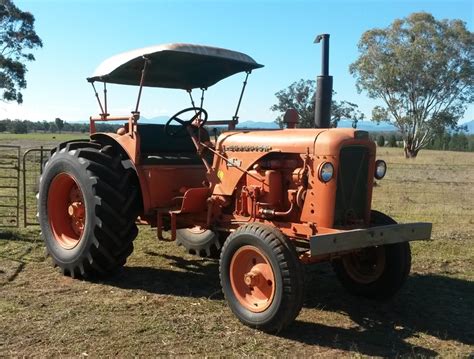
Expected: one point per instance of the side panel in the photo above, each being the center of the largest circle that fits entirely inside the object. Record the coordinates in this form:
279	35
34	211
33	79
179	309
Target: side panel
165	184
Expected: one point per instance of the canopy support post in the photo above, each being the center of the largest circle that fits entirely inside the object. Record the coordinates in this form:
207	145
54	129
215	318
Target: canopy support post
105	98
98	99
191	98
202	96
235	118
142	80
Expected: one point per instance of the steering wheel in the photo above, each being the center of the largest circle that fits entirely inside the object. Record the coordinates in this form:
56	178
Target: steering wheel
198	120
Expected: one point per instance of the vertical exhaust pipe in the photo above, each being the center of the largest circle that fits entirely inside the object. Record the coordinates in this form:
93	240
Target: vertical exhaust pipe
322	110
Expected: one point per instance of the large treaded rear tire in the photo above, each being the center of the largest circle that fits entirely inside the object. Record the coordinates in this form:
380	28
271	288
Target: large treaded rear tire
111	202
288	274
391	277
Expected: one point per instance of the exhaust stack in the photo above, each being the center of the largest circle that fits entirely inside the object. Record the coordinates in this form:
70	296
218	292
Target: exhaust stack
322	111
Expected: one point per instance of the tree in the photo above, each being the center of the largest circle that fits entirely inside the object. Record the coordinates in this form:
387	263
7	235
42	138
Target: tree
19	126
381	141
423	71
17	34
46	126
300	96
392	141
59	123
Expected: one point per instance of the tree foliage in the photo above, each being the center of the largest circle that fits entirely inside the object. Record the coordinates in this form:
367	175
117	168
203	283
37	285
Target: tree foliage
422	69
392	141
25	126
17	36
300	95
59	124
380	141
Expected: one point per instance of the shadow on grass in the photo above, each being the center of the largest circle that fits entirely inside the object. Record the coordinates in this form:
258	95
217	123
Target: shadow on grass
191	278
29	235
435	305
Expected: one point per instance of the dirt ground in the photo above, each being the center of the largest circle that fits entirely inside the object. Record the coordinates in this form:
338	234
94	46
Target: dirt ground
167	303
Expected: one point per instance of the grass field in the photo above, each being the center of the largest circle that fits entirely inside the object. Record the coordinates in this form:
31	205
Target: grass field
32	140
166	303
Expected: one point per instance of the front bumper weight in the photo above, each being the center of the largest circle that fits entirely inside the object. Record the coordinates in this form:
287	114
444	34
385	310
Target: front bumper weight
350	240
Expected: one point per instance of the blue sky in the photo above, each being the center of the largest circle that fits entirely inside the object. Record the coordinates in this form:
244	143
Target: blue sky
79	34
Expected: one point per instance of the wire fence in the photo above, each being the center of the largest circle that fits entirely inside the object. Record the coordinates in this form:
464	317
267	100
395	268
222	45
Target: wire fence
442	193
438	193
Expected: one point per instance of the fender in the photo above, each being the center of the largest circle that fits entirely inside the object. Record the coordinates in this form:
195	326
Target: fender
129	145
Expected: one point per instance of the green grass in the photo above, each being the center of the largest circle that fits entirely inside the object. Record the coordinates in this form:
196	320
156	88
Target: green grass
35	140
165	302
38	136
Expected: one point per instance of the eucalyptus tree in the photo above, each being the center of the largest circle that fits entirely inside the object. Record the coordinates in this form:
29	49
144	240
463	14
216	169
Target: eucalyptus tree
300	95
422	70
17	37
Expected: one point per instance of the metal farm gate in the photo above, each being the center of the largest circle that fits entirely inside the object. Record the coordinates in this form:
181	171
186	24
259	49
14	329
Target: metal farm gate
33	161
9	186
19	190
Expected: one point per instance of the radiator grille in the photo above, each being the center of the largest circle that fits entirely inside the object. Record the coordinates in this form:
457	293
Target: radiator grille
351	195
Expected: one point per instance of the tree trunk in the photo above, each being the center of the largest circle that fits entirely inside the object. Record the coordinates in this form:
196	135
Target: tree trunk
410	152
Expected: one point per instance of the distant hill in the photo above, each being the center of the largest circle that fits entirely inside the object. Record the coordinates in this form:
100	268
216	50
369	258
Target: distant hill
470	127
159	120
370	126
361	125
257	124
245	124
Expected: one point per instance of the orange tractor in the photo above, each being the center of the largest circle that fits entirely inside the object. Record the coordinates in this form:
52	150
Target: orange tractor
267	201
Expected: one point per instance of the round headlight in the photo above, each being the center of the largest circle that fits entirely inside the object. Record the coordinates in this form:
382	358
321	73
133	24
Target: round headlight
380	169
326	172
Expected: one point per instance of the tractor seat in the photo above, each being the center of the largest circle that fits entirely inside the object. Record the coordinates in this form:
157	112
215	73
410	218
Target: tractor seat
157	147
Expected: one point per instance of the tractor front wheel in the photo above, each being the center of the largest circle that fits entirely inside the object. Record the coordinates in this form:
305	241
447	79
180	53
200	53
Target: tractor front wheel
88	204
375	272
261	277
199	241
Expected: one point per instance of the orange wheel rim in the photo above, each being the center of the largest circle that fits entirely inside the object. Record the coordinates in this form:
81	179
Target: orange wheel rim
252	279
66	210
365	266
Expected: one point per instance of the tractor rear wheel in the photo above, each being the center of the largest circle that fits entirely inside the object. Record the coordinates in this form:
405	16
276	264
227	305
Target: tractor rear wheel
199	241
375	272
261	277
88	203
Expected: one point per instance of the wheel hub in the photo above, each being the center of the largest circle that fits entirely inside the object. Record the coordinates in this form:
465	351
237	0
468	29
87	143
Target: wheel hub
252	278
365	266
66	210
76	209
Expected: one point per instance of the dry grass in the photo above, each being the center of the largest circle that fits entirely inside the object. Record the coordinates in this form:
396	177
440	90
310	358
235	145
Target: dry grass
167	303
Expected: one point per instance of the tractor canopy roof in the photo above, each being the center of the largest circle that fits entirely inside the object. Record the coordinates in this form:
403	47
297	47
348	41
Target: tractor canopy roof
180	66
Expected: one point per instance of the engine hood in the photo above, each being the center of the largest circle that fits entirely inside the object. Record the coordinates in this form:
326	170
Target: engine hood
298	140
286	140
